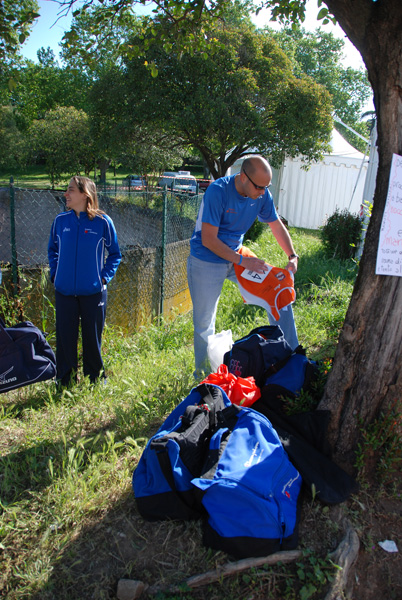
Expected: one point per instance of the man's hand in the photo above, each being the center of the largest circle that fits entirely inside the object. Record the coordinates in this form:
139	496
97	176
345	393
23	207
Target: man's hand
254	264
292	265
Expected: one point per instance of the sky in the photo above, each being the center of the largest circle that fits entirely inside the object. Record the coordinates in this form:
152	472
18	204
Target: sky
50	27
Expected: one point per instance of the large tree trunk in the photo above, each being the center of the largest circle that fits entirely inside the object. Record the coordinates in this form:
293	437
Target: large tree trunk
366	377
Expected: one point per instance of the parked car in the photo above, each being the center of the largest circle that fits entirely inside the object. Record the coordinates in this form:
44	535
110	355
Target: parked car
185	182
203	184
180	181
135	182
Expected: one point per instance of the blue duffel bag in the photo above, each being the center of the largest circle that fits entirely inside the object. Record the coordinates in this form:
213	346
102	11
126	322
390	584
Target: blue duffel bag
25	356
249	489
162	481
226	463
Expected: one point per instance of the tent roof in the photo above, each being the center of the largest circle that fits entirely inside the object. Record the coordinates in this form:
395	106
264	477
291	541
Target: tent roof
340	147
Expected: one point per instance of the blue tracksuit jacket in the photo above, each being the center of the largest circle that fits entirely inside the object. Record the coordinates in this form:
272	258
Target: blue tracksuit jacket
76	252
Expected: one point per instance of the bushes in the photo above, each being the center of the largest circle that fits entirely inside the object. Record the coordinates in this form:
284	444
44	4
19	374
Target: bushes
255	231
341	234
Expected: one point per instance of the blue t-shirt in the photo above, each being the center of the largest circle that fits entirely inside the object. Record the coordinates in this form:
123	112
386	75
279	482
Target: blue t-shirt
223	207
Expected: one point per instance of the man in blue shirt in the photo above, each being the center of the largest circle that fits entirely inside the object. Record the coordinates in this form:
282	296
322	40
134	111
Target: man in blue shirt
228	209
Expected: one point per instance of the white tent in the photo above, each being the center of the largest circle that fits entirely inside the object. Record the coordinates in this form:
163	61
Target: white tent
307	198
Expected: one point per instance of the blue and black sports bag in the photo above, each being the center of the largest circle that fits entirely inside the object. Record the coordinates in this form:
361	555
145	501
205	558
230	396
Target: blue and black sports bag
176	454
25	356
297	373
259	354
214	459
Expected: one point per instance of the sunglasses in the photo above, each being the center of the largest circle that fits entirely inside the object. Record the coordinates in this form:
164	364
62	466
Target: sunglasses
257	187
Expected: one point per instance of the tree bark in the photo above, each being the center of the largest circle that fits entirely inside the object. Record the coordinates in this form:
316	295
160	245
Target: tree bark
103	165
366	377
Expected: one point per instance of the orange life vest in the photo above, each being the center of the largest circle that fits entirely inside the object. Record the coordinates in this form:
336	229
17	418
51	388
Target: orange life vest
273	290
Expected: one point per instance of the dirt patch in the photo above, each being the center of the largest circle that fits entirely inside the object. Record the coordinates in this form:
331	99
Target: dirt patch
378	573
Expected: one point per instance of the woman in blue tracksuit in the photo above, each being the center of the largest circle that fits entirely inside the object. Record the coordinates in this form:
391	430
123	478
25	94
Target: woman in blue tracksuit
80	272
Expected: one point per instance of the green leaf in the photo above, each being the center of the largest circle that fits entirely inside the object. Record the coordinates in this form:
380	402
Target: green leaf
322	14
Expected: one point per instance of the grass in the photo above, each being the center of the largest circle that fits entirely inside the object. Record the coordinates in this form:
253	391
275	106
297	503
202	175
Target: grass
68	524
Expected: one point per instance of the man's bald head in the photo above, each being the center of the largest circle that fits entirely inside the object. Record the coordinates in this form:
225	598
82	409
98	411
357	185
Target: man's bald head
257	164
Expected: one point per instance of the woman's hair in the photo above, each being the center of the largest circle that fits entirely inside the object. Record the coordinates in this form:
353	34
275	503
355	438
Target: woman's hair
88	187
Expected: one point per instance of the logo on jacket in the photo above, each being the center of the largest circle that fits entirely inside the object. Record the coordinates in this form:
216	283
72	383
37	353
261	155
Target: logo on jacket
249	462
90	231
3	376
289	485
66	229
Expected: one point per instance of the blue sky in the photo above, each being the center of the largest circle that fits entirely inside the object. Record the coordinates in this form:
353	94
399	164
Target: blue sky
47	32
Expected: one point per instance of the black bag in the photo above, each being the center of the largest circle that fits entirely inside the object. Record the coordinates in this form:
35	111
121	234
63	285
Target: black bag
25	356
259	354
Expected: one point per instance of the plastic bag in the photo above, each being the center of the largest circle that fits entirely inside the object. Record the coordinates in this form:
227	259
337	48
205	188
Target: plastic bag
242	391
218	344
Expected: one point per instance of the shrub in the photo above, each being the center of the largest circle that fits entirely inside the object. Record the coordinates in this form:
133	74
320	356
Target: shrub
341	234
255	231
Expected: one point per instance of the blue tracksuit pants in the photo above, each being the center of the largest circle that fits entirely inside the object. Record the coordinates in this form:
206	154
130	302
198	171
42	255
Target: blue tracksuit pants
91	310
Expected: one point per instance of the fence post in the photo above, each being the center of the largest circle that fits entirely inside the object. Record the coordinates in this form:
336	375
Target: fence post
14	262
163	261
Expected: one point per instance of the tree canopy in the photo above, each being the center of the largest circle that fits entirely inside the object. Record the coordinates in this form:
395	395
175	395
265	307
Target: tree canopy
93	55
16	19
227	103
63	138
320	56
44	86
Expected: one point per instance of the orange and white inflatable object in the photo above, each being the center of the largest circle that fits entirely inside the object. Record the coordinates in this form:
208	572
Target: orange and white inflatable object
272	290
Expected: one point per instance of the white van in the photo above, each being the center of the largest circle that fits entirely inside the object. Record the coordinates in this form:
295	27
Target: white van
180	181
185	182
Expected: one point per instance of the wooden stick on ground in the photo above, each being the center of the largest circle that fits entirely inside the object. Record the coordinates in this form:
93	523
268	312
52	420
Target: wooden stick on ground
131	590
241	565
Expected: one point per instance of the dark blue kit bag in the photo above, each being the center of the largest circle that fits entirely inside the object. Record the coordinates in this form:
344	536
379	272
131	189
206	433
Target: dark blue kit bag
226	464
259	354
25	356
296	374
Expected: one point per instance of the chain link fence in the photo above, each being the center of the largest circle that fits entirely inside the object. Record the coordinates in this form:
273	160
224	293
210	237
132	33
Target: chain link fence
153	228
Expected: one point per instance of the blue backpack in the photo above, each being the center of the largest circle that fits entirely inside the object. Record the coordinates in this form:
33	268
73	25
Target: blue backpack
259	354
214	459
